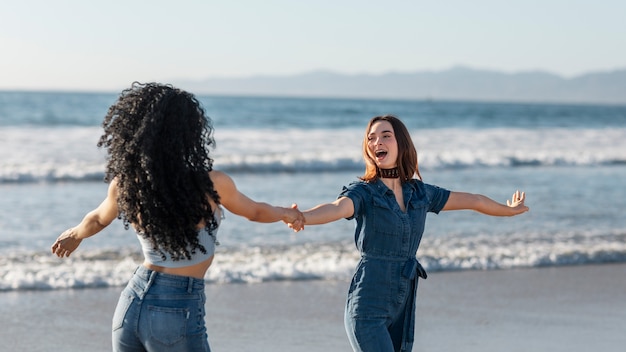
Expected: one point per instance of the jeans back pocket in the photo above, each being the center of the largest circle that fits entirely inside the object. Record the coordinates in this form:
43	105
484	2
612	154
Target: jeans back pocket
168	325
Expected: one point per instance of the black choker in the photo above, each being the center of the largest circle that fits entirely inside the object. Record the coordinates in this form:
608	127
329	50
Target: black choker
389	173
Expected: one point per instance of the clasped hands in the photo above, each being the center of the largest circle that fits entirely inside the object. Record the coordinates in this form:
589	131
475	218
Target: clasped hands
296	219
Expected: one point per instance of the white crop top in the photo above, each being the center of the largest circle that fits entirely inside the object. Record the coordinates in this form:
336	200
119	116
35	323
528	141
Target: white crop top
205	238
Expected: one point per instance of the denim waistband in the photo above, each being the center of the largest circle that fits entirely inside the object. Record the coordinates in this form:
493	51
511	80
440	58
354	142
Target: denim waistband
157	278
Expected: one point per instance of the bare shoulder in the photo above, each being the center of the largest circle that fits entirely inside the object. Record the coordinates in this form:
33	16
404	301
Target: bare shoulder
113	188
221	181
219	177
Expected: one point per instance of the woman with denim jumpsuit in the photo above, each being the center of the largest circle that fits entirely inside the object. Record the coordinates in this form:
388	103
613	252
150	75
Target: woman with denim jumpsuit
390	208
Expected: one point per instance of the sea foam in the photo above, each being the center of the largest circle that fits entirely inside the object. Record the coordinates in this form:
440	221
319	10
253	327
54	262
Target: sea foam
315	261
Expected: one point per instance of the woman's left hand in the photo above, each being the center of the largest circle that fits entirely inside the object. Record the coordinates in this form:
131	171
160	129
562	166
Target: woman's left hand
517	202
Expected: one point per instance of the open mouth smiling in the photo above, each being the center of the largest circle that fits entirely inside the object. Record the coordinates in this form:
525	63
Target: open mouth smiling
380	154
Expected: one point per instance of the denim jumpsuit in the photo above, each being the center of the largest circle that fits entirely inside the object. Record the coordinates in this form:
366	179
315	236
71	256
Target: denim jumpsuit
380	308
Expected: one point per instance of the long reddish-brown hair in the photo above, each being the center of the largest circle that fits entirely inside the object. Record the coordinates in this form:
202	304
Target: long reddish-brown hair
407	154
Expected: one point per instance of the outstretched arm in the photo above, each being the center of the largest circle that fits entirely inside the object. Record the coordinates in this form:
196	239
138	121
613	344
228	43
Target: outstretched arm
486	205
325	213
239	204
92	223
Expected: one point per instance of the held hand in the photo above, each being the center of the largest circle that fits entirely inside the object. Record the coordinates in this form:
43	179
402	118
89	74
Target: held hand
65	244
297	223
517	202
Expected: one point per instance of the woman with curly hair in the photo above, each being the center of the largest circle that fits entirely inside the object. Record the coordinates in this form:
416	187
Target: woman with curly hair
162	183
390	203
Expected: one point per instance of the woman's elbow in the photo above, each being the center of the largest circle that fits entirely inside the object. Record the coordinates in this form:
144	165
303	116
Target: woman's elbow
258	215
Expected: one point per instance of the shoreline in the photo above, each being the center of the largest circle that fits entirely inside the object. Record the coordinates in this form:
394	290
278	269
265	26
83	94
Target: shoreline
570	308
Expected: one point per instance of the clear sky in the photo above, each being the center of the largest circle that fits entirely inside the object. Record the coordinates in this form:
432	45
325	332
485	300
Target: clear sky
105	45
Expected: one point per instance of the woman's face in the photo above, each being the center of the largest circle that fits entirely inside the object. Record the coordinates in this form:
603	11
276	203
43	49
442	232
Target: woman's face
382	146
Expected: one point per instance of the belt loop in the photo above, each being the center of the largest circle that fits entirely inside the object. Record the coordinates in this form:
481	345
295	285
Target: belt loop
151	278
190	285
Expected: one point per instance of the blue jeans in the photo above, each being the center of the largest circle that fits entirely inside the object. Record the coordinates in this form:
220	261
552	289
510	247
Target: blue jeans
160	312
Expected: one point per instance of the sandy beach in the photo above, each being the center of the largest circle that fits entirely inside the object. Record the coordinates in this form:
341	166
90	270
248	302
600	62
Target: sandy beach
577	308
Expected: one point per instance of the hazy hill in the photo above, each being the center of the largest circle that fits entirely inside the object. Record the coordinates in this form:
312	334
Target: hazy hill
458	83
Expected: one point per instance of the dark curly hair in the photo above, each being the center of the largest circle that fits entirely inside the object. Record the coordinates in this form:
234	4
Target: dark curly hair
157	138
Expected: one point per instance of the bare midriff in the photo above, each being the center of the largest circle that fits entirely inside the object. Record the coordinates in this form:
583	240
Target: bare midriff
197	270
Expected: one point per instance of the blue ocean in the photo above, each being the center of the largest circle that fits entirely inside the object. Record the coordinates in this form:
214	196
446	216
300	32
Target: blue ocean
569	159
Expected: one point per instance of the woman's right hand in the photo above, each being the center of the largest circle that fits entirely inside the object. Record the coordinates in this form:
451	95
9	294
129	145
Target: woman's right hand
65	244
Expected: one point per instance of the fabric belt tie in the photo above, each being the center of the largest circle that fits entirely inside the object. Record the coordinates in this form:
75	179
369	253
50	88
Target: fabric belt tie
413	267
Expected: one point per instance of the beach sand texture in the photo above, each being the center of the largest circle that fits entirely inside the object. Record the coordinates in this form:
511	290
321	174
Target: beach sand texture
577	308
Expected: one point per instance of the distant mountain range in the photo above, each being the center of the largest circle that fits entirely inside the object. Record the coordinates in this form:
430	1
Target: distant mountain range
459	83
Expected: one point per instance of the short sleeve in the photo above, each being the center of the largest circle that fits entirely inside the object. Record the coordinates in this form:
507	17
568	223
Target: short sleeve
438	197
357	192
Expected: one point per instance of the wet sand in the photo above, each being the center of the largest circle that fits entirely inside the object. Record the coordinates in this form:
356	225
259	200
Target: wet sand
578	308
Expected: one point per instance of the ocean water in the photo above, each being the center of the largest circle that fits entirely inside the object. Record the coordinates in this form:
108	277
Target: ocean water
570	160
